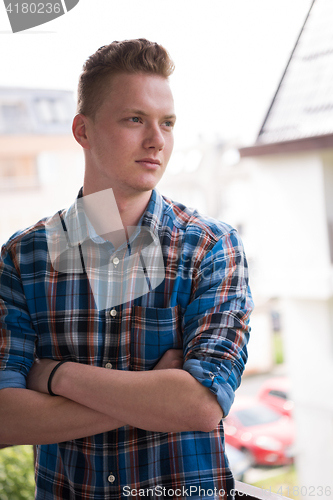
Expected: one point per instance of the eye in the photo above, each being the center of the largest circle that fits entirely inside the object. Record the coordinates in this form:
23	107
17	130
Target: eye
168	123
135	119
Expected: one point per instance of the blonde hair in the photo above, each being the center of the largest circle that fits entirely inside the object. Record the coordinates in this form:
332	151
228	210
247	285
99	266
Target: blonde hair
128	56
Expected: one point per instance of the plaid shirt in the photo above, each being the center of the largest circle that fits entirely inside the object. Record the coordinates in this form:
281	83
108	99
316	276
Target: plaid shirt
202	305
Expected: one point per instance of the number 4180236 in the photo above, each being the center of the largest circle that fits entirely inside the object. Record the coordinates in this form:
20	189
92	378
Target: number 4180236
34	8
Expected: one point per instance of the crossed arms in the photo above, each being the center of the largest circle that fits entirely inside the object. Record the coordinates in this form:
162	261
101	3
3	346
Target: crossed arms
93	400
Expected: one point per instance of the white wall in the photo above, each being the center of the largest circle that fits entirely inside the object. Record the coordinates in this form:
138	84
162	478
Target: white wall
289	228
60	178
260	347
291	207
308	340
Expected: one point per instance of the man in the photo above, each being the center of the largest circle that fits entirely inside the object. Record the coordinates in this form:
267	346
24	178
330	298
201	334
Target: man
136	404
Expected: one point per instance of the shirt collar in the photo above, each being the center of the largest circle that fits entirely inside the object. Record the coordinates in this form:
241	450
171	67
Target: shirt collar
79	228
152	216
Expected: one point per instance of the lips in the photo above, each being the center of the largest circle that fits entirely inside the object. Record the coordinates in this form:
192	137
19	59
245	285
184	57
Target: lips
149	160
149	163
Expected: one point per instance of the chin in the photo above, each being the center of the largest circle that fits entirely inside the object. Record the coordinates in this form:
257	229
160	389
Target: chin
145	188
145	184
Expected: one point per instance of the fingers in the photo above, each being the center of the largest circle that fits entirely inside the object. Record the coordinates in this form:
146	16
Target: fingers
172	358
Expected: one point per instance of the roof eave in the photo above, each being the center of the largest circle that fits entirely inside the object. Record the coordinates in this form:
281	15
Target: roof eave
295	146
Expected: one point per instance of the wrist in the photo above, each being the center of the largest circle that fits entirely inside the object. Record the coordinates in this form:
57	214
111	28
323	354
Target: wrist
55	378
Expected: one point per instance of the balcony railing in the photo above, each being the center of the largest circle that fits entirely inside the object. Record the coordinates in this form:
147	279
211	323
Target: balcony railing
247	492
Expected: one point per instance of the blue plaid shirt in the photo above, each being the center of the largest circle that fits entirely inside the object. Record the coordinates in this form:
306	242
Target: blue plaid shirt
202	305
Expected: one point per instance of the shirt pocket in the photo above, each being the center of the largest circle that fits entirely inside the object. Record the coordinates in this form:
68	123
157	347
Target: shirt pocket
153	331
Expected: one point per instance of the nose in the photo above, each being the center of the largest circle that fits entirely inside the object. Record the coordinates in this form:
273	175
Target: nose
154	138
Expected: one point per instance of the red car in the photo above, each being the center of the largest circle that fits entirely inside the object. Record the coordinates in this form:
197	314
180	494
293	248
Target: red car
274	393
263	434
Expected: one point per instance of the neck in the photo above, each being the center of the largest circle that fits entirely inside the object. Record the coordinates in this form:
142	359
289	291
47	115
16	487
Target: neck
130	209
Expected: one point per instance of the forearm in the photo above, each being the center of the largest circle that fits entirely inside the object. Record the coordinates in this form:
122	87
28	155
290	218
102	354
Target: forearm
158	400
29	417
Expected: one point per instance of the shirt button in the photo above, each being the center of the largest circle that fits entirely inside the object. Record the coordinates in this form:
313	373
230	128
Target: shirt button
108	365
212	376
111	478
113	312
116	261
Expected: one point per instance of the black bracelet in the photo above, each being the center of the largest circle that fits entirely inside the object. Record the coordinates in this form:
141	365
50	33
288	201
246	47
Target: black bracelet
52	375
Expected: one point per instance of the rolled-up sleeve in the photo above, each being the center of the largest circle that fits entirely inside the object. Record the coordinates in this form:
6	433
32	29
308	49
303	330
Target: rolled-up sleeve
17	336
216	322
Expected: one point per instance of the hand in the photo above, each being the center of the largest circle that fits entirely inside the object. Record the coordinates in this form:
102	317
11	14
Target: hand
172	358
39	374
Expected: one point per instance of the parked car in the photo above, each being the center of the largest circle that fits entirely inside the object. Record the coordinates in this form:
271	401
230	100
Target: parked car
265	435
275	393
239	462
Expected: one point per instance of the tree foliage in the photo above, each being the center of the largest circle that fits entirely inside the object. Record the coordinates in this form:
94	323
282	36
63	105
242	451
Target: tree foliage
17	480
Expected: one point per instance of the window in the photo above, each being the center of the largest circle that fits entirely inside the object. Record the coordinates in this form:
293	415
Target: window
279	394
13	117
257	415
52	111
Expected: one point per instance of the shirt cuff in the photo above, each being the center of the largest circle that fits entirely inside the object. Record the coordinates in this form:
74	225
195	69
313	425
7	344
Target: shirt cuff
10	378
213	377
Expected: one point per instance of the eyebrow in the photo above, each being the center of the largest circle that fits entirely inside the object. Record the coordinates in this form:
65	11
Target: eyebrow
143	113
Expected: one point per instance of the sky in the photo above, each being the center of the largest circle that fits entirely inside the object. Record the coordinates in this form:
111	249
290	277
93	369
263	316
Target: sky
229	55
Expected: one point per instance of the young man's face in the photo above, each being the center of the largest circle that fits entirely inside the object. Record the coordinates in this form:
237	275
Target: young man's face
131	137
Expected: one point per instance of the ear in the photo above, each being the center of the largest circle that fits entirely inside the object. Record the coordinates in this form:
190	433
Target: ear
79	129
